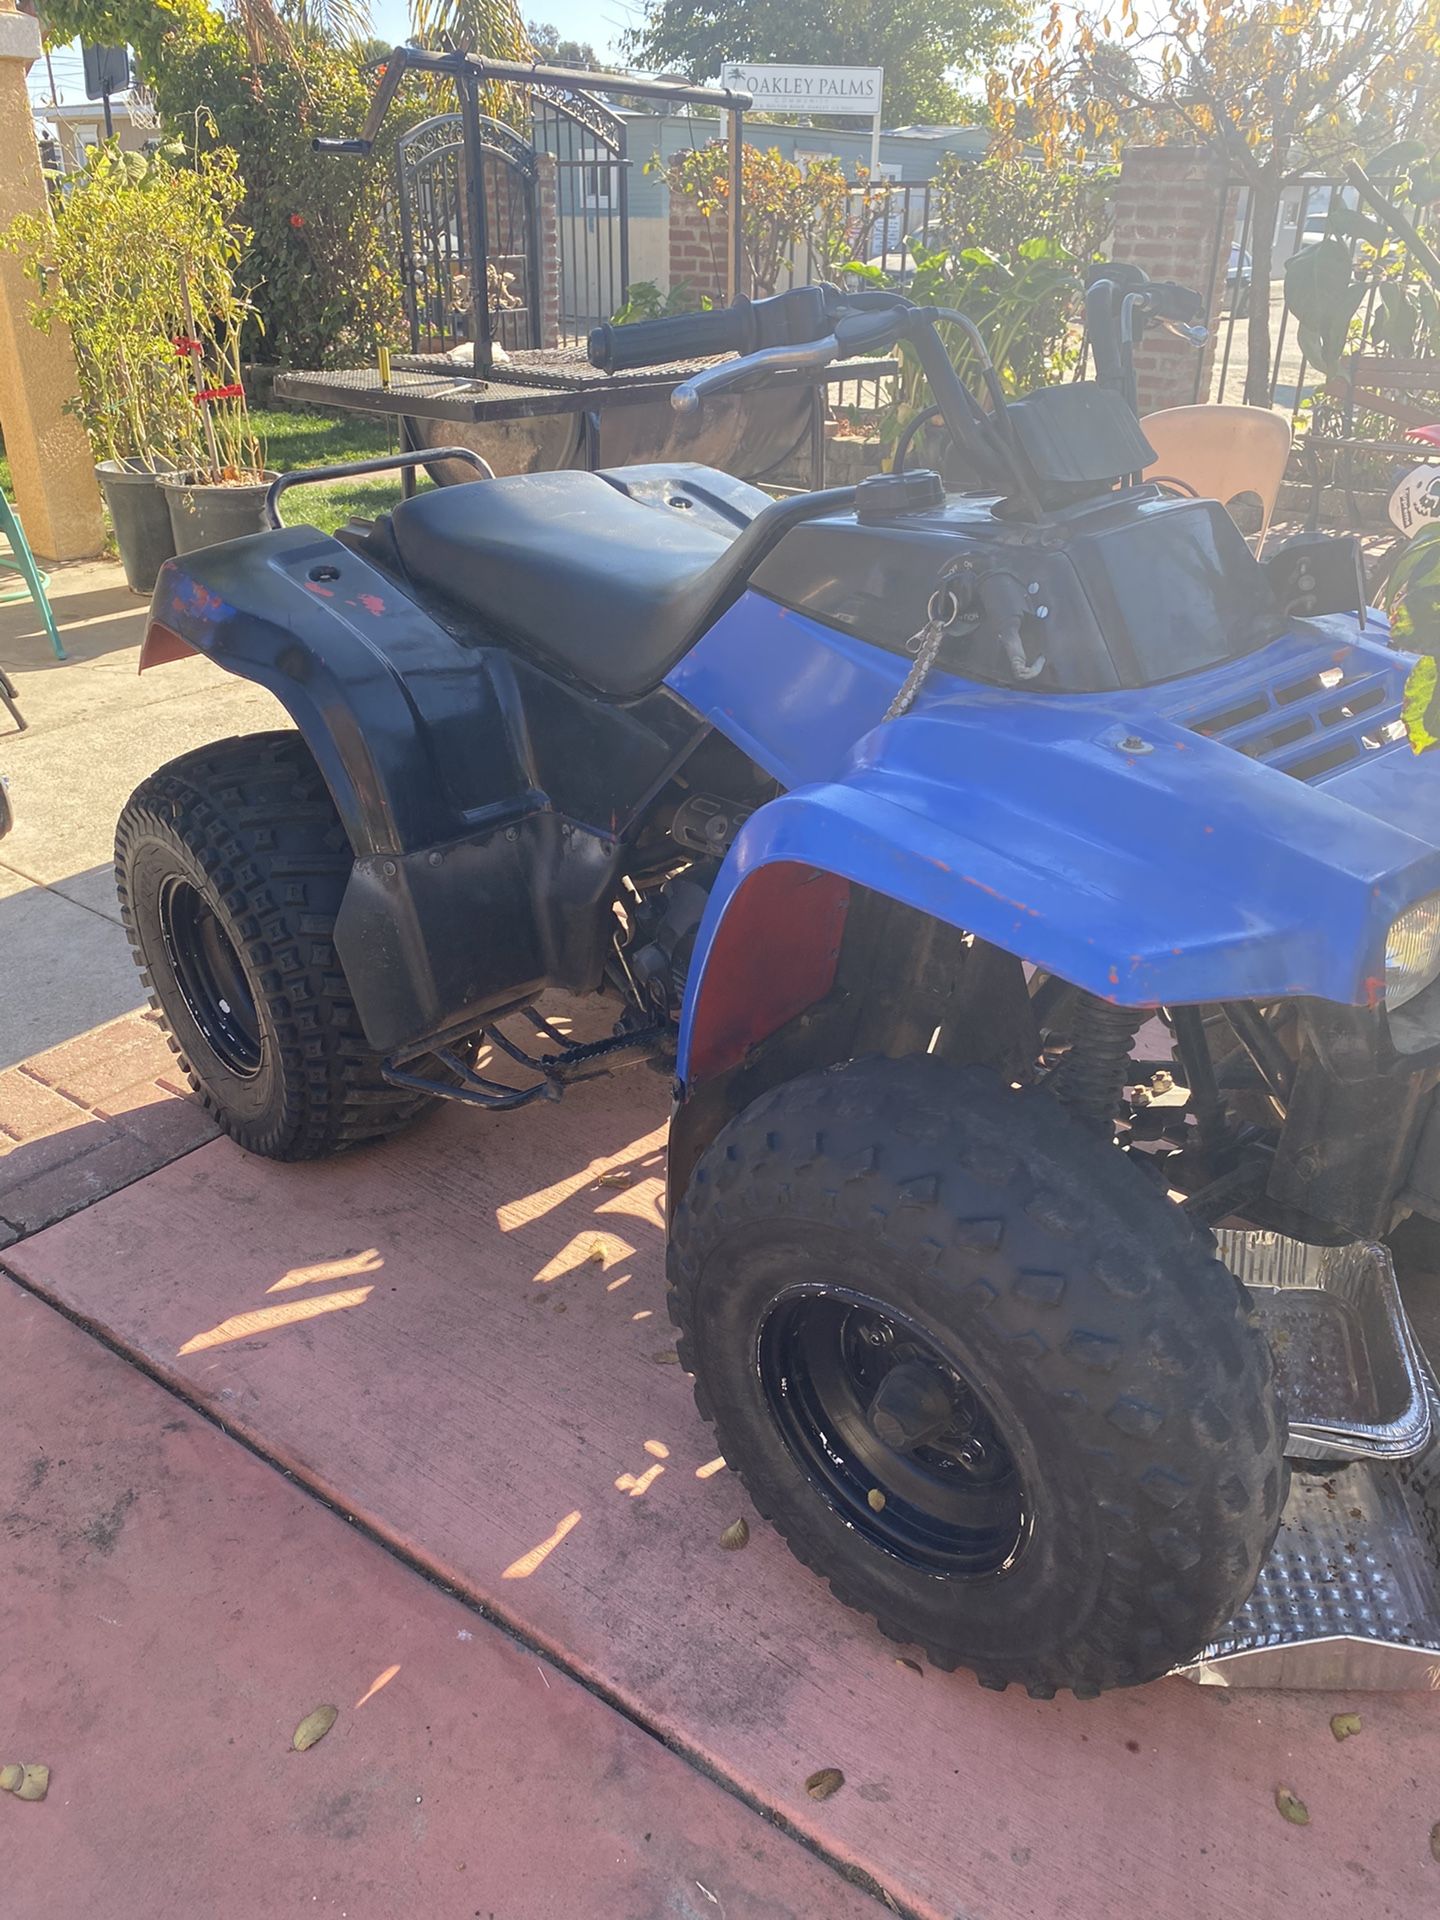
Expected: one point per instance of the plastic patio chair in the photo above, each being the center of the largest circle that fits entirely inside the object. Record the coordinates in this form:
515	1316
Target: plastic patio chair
1217	452
16	557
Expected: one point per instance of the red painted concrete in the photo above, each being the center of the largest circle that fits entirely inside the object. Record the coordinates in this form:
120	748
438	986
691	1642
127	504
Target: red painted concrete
173	1608
390	1325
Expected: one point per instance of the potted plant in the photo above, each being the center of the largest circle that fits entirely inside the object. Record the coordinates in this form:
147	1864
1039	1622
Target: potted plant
133	243
220	493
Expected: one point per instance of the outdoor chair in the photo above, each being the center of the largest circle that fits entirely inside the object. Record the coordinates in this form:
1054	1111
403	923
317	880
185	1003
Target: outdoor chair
1219	452
16	558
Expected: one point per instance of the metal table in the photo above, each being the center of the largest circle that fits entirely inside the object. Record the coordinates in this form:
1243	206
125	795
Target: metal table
540	384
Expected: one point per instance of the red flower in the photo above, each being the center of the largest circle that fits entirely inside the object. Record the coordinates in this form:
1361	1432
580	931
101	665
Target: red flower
297	219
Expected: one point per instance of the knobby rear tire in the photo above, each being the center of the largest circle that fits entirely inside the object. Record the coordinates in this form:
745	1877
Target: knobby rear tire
248	828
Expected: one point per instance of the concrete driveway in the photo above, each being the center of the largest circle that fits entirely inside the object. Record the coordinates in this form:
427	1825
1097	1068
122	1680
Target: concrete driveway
95	730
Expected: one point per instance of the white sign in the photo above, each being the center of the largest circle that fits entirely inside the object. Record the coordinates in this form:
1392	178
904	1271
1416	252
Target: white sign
854	90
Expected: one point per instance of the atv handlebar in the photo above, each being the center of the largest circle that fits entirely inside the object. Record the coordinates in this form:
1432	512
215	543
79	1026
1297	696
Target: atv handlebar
786	319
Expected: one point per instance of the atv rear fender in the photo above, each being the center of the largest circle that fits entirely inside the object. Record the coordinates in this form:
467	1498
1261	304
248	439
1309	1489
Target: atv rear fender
485	801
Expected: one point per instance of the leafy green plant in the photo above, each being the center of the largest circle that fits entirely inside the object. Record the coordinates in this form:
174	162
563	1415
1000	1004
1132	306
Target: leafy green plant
1023	307
644	301
787	212
137	257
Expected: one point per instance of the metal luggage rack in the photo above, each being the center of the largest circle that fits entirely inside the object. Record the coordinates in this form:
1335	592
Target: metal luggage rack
1350	1595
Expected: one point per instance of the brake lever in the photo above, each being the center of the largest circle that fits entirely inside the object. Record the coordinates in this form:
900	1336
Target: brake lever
814	353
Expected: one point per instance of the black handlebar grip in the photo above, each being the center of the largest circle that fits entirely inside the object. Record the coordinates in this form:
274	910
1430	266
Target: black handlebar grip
681	336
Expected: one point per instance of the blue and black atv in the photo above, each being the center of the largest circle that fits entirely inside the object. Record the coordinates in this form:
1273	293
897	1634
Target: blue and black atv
1022	880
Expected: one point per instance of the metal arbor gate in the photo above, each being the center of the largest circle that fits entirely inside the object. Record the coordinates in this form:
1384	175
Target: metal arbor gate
436	234
556	256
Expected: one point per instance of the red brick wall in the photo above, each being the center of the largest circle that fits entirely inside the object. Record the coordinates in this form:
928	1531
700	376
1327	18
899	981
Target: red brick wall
1167	205
547	222
697	247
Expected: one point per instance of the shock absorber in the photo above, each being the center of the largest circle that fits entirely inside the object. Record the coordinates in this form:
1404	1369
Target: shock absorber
1090	1078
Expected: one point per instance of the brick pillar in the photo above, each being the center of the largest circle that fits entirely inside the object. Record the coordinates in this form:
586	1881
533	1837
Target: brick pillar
547	234
50	458
1168	205
699	246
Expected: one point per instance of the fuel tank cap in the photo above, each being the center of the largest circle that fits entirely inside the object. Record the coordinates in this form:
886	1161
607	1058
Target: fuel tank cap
880	496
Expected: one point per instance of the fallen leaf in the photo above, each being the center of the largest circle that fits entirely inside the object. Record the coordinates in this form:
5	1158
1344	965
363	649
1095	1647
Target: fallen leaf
34	1783
1435	1841
1356	1513
821	1785
596	1255
1291	1807
735	1536
666	1357
10	1777
617	1177
1342	1725
559	1307
914	1665
314	1727
875	1500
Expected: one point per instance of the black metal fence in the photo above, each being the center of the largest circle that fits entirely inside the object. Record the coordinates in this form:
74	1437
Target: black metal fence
1310	209
586	142
555	225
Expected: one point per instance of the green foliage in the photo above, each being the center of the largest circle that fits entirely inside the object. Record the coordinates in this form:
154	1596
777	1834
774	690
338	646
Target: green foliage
1002	203
787	212
1322	292
551	51
139	252
1326	291
644	301
919	43
1023	306
323	250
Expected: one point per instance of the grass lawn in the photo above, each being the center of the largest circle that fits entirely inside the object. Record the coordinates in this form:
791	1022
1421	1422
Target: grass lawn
292	440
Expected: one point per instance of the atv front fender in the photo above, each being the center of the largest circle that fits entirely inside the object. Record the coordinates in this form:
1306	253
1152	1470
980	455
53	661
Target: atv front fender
1134	931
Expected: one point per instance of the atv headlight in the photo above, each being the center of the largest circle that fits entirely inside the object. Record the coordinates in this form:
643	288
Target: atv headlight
1412	951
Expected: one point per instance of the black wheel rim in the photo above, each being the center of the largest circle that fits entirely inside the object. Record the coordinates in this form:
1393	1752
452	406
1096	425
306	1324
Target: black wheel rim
954	1504
211	979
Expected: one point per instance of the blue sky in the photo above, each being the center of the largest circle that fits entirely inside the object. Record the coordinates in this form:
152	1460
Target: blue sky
601	22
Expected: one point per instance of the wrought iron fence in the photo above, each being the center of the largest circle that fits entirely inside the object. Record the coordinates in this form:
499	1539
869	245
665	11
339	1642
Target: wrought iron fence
1305	216
556	229
586	142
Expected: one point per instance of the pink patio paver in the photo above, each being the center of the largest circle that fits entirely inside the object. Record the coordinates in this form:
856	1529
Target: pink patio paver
174	1607
423	1332
86	1118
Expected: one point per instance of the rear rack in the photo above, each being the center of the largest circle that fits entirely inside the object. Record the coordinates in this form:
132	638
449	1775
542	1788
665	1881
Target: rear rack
352	469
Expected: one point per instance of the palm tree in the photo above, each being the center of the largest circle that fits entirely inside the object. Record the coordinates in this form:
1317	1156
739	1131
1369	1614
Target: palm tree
492	27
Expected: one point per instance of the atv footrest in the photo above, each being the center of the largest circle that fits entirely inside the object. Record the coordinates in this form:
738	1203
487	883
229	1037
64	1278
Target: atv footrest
571	1061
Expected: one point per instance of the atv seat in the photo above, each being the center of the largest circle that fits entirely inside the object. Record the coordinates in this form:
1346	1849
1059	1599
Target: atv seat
577	570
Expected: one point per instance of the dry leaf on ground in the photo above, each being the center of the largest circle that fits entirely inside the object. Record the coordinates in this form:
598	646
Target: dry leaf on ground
1342	1725
735	1536
1291	1807
821	1785
314	1727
